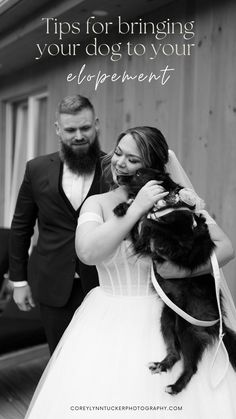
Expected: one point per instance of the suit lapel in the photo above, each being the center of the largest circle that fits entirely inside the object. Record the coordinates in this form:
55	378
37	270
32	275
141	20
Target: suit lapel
55	182
95	187
54	171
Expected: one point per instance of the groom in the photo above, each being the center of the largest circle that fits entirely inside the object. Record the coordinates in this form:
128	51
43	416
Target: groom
52	192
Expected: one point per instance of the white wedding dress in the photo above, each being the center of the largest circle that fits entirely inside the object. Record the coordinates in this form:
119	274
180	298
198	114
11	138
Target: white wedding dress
99	369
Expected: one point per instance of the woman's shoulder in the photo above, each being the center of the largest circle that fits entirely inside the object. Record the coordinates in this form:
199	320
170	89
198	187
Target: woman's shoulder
96	202
98	198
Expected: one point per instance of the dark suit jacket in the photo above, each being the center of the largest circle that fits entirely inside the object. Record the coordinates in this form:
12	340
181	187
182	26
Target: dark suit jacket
41	198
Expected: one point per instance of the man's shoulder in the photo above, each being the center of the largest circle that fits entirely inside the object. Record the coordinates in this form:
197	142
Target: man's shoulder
42	160
101	157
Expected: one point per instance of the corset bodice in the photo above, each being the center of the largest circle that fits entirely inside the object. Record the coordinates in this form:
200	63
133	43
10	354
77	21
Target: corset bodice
123	273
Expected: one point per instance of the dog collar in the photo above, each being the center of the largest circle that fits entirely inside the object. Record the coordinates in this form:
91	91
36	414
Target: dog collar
158	214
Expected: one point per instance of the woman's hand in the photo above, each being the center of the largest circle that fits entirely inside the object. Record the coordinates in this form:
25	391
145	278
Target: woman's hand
148	195
95	242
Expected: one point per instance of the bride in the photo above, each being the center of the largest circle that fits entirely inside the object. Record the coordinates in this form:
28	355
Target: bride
100	366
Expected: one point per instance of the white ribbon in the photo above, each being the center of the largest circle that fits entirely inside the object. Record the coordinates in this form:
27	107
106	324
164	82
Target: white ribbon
216	273
178	310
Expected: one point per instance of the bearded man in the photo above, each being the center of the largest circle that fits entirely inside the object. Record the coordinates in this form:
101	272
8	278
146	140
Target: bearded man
52	192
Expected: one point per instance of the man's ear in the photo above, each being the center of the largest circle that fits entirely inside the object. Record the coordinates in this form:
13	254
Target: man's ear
97	125
57	127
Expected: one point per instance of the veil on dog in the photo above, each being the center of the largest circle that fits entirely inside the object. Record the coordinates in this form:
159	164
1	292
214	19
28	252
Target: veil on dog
178	174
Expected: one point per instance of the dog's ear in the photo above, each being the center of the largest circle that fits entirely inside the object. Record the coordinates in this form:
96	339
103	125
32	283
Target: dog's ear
169	184
121	209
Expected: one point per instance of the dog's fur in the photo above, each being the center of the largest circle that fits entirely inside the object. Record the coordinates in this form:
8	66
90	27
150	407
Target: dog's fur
181	237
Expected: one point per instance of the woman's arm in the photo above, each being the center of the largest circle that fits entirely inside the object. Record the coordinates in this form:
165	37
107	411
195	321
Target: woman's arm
223	250
94	242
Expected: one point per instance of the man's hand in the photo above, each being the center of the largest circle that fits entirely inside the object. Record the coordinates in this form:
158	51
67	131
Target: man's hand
23	298
168	270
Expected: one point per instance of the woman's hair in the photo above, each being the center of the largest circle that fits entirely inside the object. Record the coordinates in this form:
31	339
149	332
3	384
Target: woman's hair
152	146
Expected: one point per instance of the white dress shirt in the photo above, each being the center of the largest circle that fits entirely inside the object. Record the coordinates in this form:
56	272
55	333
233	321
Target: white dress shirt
75	186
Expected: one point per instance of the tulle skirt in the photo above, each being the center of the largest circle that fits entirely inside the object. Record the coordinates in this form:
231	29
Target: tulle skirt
99	369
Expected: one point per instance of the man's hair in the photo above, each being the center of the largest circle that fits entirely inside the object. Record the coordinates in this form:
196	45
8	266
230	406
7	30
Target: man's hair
74	104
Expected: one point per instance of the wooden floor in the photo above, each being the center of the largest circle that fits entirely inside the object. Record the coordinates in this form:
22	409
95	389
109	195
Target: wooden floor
19	375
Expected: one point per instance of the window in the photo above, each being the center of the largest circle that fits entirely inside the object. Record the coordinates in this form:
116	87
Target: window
26	122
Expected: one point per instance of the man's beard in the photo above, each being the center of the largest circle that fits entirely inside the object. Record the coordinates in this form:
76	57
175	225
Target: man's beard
81	162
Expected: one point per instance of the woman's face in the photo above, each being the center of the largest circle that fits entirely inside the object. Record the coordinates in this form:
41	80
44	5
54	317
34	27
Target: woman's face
126	159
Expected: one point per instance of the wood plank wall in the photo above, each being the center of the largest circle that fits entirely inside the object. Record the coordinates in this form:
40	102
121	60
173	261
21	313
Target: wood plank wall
196	109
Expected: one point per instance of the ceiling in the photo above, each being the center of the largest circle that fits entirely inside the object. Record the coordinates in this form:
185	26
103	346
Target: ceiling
22	27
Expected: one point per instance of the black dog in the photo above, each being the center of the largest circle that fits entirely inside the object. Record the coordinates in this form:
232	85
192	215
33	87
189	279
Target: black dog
175	233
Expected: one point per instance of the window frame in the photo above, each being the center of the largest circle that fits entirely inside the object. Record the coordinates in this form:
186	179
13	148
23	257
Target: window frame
32	101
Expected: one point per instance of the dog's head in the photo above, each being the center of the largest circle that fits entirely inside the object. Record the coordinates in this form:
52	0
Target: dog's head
175	198
136	181
171	230
177	233
180	236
